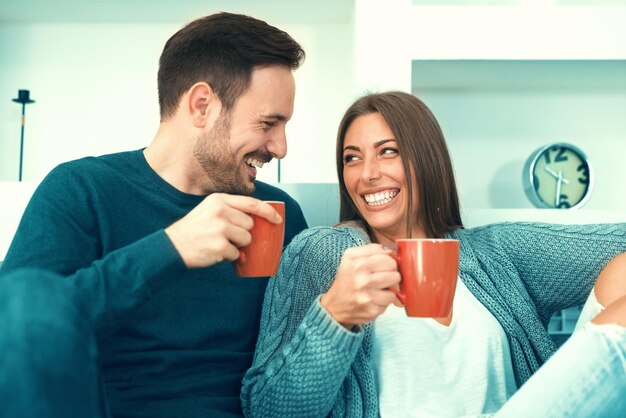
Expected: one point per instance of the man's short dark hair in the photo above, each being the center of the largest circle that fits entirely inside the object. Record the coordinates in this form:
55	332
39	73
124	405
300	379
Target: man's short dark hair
222	50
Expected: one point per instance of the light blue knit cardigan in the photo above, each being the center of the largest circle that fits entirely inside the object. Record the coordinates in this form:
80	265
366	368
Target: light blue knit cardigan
308	365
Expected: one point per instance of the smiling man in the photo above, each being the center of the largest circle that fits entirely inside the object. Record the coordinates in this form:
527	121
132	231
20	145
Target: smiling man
130	306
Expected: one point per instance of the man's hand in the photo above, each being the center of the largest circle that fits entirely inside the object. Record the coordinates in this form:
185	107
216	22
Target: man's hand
361	292
214	229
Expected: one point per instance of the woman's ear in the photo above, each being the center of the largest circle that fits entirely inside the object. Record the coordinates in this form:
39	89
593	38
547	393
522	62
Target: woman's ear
203	105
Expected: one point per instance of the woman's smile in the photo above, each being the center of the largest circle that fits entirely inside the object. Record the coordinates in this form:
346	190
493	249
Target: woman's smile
381	198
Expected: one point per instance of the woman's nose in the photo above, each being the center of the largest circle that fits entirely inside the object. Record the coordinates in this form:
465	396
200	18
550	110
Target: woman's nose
370	172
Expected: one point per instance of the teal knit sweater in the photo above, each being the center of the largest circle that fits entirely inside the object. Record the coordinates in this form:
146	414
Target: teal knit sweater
308	365
172	341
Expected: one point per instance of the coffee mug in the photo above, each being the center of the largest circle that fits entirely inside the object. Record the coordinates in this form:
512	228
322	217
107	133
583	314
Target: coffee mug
261	257
429	269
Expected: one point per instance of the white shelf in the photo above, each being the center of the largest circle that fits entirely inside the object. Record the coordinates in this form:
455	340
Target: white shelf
519	75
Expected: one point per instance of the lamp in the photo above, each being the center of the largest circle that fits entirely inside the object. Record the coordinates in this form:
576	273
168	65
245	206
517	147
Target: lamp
23	97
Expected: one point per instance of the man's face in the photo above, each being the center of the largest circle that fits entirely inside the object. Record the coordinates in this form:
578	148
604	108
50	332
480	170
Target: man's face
251	134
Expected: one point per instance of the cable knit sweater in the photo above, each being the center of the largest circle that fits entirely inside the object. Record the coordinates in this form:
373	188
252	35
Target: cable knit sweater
308	365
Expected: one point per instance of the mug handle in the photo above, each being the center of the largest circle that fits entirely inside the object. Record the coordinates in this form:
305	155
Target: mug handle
399	294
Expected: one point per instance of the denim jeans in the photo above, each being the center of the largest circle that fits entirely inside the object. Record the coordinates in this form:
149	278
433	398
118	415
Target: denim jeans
586	377
48	351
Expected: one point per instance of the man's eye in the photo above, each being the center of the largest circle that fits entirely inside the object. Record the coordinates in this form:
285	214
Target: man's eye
268	124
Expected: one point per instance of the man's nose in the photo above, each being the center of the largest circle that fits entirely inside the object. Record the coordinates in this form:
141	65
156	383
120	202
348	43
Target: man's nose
277	146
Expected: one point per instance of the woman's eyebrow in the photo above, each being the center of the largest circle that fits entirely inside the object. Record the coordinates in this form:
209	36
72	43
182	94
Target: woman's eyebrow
376	145
383	141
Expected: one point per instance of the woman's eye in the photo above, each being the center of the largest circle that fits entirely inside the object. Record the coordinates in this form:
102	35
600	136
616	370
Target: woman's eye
349	158
389	151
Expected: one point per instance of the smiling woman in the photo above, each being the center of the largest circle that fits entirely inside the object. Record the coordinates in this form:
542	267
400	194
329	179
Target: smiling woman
329	319
374	177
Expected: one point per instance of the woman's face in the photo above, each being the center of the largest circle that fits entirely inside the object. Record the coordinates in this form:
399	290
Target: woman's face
375	178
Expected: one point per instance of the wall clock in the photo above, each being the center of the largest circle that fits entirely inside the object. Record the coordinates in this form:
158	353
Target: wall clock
558	176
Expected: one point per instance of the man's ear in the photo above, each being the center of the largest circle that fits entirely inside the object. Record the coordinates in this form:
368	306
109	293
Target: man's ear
203	105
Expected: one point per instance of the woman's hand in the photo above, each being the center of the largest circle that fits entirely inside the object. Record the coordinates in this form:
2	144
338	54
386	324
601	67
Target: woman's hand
361	292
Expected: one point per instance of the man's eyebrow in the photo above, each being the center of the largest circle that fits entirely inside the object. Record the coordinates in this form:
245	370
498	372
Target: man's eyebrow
275	116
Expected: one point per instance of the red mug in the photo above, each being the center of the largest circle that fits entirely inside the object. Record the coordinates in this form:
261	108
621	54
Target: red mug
429	270
261	257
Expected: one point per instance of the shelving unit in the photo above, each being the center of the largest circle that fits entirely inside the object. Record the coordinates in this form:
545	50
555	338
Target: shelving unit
562	324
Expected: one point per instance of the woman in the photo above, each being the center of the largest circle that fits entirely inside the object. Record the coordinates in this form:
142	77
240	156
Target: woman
332	342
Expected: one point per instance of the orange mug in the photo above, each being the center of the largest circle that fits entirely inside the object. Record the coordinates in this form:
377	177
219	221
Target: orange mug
429	269
261	257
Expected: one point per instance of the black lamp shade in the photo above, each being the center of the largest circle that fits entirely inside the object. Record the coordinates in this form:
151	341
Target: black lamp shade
23	96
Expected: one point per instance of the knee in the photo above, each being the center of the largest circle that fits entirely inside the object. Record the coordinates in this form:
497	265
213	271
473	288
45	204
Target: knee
615	313
611	283
35	303
46	343
29	289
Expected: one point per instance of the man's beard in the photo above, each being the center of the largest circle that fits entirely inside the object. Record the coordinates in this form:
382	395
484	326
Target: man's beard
214	155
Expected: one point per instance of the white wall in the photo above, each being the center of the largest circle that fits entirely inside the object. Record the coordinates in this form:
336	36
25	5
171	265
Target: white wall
95	91
14	197
94	86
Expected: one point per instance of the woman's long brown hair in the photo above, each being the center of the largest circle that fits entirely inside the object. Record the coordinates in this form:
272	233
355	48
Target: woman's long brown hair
423	151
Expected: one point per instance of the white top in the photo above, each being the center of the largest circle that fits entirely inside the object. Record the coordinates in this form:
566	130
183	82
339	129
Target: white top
425	369
591	308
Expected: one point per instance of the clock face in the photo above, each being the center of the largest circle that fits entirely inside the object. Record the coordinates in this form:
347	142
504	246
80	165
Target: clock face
560	177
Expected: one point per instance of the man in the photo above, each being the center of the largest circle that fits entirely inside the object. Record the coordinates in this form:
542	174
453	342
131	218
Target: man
134	309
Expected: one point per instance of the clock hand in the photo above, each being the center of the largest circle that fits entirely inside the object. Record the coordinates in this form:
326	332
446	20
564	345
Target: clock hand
556	175
551	171
558	189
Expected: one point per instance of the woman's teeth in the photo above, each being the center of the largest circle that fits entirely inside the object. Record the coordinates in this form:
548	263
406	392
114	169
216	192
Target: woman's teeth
380	198
254	163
